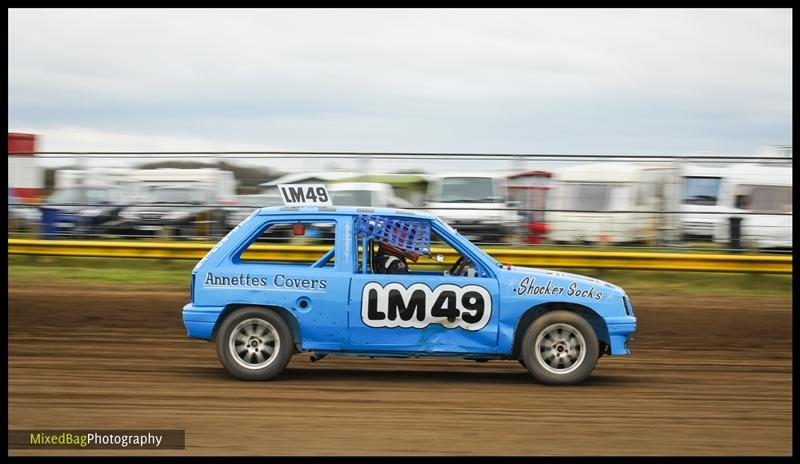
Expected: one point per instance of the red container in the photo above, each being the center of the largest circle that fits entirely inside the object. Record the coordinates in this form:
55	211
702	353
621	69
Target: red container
21	143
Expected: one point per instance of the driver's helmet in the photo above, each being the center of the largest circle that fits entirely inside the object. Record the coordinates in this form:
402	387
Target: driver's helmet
400	253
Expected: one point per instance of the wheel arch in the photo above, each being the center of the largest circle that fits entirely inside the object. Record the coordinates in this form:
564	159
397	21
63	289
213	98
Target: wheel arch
287	317
535	312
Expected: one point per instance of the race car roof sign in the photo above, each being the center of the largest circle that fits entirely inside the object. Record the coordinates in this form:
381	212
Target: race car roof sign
304	195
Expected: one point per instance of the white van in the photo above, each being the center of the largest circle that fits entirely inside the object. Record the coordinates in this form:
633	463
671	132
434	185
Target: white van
613	202
475	204
373	194
700	199
761	195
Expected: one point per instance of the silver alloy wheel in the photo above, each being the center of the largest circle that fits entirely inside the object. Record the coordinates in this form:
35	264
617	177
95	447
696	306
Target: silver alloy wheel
254	343
560	348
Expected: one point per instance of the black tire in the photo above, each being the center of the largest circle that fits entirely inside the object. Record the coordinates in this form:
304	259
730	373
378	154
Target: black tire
568	348
250	365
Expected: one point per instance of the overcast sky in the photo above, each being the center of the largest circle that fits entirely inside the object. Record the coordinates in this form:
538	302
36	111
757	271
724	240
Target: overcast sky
513	81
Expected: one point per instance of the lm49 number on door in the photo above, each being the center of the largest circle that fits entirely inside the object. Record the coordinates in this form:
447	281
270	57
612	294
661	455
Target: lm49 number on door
393	305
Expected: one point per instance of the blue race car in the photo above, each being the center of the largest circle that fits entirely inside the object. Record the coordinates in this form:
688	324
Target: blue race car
375	291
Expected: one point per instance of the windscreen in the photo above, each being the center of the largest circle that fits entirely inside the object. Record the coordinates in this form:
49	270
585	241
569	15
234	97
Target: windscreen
468	189
701	190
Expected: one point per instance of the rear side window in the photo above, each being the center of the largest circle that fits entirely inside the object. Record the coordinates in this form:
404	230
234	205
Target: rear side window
764	198
273	245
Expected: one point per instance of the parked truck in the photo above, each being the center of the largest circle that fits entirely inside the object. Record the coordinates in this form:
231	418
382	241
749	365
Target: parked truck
475	204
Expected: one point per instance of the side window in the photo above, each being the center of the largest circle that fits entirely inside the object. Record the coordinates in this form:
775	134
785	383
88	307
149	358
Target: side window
406	246
742	197
388	245
454	264
321	234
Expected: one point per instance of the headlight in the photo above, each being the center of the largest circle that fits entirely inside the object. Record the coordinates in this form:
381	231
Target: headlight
177	215
90	212
126	214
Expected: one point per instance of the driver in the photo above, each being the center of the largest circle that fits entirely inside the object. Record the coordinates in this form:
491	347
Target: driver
392	260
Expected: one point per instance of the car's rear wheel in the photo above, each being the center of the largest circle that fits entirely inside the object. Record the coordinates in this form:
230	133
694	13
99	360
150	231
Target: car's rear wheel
254	344
560	348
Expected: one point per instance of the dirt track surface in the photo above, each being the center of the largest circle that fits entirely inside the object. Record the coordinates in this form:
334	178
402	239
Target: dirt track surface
708	376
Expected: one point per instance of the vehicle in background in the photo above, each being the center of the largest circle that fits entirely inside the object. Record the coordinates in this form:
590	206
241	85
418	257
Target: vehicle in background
244	205
221	183
761	195
528	193
111	177
614	203
474	204
372	194
22	217
700	206
179	210
409	188
81	211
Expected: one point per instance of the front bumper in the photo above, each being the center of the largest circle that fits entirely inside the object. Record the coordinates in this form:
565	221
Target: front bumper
620	331
697	229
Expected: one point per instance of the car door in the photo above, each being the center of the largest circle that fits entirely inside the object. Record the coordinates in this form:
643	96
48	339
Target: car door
423	312
314	295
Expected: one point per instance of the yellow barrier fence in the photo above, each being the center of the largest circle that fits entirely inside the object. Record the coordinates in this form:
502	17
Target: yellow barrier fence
532	258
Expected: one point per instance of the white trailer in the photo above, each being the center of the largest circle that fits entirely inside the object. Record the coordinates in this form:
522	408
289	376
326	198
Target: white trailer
613	202
761	195
223	183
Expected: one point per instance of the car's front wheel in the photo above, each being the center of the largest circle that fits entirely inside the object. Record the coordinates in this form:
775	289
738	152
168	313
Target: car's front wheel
560	348
254	344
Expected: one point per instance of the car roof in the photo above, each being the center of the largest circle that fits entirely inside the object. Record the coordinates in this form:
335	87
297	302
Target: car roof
343	211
